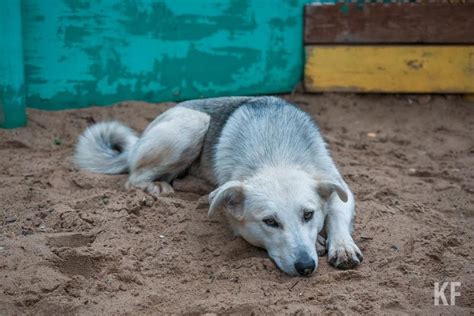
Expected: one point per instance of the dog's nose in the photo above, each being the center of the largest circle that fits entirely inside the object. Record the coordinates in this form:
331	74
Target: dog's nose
305	266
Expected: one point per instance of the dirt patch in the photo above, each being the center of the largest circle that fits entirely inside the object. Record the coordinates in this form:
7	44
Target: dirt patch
77	242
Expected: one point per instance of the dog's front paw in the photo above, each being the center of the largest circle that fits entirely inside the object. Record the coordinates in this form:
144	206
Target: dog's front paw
321	246
344	254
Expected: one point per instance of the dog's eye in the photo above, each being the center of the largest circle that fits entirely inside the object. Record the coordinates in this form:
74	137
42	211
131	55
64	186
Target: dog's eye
271	222
308	215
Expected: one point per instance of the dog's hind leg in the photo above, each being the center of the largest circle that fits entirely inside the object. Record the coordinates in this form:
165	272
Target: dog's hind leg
168	146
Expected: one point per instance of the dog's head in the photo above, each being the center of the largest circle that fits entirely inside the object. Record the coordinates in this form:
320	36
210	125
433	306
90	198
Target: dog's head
281	212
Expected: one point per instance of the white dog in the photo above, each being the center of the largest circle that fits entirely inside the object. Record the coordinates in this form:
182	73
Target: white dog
277	183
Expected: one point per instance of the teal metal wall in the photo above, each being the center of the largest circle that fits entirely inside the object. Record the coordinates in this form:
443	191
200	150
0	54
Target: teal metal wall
79	53
12	88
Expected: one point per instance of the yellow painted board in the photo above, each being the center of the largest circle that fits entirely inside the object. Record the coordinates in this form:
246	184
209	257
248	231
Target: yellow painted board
390	68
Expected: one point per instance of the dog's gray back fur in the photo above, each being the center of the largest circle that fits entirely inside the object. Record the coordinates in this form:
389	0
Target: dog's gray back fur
247	133
219	109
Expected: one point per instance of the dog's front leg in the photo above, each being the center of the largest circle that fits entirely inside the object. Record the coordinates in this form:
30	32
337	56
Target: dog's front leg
343	253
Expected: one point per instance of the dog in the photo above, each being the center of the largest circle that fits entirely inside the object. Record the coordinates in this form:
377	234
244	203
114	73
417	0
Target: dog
276	181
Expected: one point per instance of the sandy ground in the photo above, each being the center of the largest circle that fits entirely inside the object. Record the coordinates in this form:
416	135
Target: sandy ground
75	242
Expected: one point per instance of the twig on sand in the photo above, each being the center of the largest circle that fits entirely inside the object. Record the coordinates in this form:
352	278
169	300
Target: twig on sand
291	288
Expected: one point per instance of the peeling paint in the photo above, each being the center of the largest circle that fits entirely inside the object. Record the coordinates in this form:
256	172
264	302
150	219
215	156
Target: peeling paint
12	89
99	52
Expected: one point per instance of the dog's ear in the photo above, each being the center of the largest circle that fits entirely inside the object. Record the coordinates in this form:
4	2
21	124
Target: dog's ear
229	196
326	188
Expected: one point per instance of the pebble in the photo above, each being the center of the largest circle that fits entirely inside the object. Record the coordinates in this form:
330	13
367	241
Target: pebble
135	230
26	231
371	135
10	220
424	99
123	251
149	202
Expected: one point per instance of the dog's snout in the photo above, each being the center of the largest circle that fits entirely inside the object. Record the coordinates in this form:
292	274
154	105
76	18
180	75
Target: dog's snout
305	265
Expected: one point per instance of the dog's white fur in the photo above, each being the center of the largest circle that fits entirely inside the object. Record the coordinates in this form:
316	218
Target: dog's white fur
268	160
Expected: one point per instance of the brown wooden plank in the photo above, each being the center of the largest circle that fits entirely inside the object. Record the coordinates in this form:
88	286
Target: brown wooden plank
390	23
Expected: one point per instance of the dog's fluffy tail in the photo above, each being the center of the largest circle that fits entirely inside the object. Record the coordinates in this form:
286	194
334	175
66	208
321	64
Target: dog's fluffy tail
104	148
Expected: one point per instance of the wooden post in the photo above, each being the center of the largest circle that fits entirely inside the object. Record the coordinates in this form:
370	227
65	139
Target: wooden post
12	85
377	47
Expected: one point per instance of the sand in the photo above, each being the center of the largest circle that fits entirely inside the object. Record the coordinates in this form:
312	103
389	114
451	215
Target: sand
72	242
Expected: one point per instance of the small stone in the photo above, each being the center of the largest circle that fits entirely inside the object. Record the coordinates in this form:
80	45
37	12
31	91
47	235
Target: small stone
25	231
135	230
424	99
411	171
161	236
147	201
10	220
58	141
123	251
371	135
